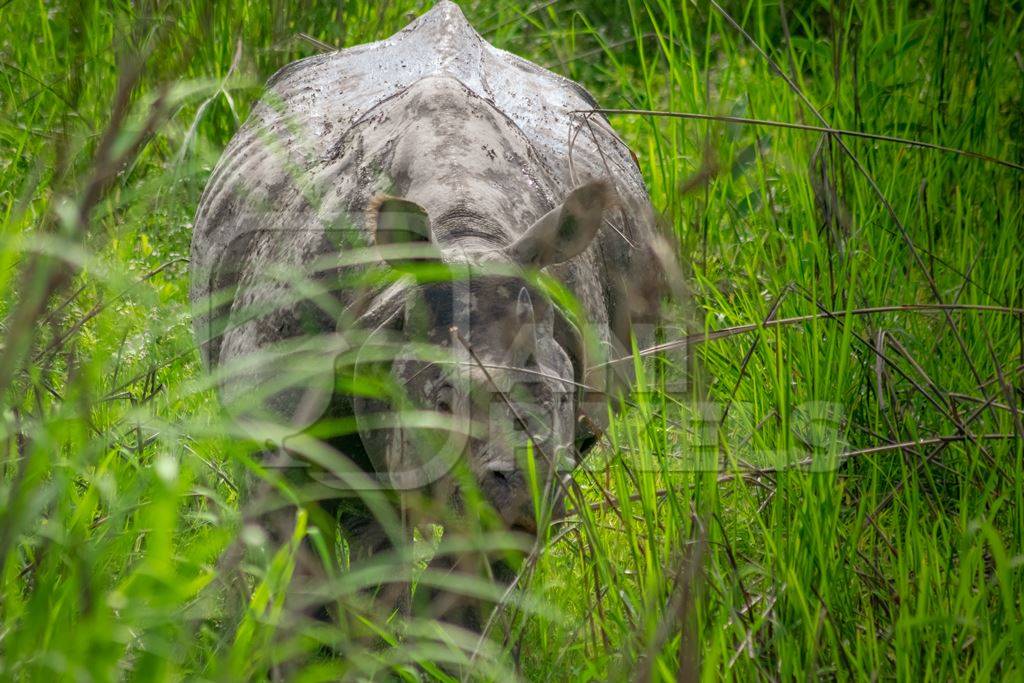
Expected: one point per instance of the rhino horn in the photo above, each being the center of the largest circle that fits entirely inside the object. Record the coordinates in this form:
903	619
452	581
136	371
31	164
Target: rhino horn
526	322
566	230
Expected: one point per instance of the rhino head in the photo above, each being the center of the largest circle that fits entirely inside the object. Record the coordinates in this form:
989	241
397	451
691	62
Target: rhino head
487	365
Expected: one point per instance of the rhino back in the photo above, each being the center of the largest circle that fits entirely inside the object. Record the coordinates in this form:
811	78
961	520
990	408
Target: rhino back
282	189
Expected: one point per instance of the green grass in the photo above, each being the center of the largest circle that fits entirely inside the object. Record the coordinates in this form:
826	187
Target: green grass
121	483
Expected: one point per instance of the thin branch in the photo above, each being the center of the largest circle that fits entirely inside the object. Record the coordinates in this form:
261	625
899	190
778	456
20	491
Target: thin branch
715	335
806	127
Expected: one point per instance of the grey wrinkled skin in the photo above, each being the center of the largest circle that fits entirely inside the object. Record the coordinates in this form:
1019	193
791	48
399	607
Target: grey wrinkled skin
431	137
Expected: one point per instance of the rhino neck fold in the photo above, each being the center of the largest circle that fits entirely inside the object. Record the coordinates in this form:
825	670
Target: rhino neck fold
465	162
460	226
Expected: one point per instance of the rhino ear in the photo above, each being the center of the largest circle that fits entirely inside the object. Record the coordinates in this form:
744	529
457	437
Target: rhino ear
566	230
403	227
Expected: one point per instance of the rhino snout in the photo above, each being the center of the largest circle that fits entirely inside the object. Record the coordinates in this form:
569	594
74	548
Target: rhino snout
508	491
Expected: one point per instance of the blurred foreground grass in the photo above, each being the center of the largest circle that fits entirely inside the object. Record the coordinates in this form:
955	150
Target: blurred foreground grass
903	558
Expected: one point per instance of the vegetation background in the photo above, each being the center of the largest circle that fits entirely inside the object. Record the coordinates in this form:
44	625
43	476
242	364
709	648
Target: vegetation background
881	278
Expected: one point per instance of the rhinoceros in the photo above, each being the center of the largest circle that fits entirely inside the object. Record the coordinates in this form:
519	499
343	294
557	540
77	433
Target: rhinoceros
430	149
